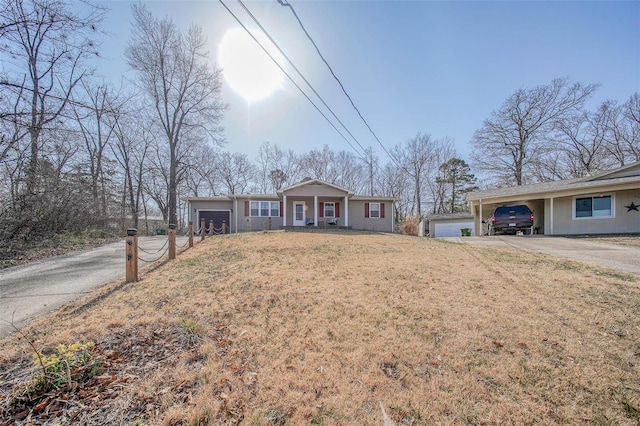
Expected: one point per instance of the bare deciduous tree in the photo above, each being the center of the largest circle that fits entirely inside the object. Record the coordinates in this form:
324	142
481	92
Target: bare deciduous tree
235	172
183	90
583	142
132	143
416	158
92	109
513	137
320	165
274	162
623	134
48	43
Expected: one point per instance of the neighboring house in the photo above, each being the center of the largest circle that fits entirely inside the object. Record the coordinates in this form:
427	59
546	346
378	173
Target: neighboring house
310	203
606	203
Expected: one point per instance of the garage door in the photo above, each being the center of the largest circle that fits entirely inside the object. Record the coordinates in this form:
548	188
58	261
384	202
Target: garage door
217	216
451	229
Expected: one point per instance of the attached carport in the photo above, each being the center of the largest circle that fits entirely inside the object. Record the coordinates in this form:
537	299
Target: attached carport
482	212
605	203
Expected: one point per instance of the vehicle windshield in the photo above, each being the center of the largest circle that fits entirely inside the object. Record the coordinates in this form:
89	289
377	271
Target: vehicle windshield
512	210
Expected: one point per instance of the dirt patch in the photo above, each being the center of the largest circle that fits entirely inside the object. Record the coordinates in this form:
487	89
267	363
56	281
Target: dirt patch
302	328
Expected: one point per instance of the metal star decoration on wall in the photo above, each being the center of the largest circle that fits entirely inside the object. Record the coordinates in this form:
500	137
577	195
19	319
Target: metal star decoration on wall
632	207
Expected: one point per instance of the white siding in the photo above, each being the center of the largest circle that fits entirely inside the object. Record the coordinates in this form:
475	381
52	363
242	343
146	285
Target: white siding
452	228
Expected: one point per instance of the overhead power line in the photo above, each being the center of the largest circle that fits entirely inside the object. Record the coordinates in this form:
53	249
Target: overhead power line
285	3
288	76
300	73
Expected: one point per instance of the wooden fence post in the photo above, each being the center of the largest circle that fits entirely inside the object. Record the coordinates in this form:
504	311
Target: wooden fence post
211	230
190	234
202	230
224	227
131	274
172	241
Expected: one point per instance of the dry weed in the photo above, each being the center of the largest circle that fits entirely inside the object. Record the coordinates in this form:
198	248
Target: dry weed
410	226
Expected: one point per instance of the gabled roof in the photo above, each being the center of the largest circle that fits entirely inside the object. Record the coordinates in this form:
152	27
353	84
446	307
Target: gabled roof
255	196
315	182
450	216
371	198
214	198
626	176
279	194
632	169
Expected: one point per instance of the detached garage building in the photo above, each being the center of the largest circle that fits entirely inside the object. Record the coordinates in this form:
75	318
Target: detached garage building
450	225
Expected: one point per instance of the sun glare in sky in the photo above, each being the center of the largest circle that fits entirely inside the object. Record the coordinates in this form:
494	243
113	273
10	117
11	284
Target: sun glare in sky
246	67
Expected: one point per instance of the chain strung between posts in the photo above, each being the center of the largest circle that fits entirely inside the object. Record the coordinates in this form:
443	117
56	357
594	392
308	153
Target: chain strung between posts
154	252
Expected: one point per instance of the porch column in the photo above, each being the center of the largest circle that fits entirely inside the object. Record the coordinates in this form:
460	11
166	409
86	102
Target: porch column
315	210
284	210
551	216
480	232
346	210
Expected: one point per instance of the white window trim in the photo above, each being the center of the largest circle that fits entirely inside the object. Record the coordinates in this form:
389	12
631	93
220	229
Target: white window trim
371	210
260	208
607	194
325	209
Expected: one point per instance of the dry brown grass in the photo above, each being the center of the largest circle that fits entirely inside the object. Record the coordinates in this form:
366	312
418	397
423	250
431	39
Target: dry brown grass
633	241
304	328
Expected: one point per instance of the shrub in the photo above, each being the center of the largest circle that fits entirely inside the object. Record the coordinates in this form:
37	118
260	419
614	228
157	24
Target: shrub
410	226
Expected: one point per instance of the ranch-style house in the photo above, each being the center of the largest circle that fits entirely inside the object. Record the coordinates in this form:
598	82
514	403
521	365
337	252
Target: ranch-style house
311	203
605	203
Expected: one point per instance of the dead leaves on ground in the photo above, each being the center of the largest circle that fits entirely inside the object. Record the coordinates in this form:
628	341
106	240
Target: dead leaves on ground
119	383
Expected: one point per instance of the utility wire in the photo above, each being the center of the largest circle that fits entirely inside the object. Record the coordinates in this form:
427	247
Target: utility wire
287	74
304	94
366	160
300	73
285	3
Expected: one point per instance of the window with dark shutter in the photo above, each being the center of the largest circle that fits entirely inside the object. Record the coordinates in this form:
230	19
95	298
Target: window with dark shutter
337	209
366	209
382	210
247	208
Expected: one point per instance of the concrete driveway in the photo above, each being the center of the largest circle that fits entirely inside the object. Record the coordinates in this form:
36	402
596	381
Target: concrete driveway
618	257
28	291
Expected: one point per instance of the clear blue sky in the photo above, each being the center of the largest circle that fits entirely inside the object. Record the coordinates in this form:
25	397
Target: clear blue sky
413	66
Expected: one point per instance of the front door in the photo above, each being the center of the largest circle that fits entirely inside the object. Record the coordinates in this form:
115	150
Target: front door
299	213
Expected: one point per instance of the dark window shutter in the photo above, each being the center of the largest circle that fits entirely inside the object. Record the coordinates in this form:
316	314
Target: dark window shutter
366	209
337	209
321	209
381	210
281	208
247	208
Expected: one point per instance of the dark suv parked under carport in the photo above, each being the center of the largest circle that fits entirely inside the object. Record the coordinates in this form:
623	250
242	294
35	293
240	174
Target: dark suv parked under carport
510	220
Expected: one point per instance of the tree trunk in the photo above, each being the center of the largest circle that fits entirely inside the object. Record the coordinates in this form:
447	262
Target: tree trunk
173	186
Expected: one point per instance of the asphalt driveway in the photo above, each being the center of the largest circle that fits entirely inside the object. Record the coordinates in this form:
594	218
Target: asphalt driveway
618	257
28	291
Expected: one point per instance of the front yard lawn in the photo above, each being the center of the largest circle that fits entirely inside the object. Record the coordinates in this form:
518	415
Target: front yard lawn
305	328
